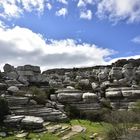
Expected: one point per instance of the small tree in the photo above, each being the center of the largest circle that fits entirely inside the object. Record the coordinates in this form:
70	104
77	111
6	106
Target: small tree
4	109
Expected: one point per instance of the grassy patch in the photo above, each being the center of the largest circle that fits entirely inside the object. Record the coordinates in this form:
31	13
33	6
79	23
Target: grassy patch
91	128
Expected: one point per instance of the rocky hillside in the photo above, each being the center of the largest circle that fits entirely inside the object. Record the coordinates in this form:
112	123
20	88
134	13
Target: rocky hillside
84	90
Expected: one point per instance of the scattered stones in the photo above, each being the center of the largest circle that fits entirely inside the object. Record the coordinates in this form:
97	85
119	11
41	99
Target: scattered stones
13	89
22	135
74	130
3	134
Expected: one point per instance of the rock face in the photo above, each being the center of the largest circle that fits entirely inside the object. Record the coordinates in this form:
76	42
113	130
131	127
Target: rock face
27	75
84	102
116	73
123	97
118	83
8	68
22	106
25	122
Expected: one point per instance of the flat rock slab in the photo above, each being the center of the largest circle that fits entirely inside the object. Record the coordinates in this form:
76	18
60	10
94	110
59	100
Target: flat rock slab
22	135
74	130
54	128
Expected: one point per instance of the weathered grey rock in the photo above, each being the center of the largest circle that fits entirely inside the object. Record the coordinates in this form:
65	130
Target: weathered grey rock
13	89
31	122
25	122
113	93
12	75
53	97
22	135
23	80
85	82
54	128
67	90
32	102
14	82
94	85
3	134
86	107
129	92
35	69
13	121
17	100
115	73
3	86
69	97
103	76
90	97
128	72
8	68
48	114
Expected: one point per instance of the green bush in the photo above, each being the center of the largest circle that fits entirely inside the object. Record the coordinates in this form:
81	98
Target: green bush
4	109
121	122
38	95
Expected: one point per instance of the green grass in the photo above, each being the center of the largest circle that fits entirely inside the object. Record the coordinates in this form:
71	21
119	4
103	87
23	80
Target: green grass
91	127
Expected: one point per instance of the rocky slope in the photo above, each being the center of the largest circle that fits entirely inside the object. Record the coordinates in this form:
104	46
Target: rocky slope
85	89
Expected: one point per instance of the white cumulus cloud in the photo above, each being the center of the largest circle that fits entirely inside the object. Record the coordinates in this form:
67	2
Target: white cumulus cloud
63	1
15	8
86	14
19	46
83	3
117	10
136	39
62	12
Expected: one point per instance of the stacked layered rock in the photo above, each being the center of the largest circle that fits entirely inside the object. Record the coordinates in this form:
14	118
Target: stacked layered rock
84	102
25	106
119	83
26	75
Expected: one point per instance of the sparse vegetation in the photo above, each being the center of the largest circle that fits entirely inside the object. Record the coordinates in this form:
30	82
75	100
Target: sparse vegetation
38	95
4	109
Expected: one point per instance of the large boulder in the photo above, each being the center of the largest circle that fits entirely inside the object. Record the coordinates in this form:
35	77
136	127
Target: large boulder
94	85
35	69
128	72
12	75
115	73
24	122
90	97
31	122
13	89
103	75
69	97
113	93
3	86
8	68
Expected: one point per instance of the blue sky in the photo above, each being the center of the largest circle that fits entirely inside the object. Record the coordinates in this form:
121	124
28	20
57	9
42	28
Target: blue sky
68	33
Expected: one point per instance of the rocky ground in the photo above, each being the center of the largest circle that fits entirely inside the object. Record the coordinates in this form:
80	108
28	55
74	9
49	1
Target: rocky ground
83	90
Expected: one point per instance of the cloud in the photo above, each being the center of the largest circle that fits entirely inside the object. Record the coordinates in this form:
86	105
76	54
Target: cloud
19	46
63	1
136	40
83	3
62	12
49	6
15	8
86	14
118	10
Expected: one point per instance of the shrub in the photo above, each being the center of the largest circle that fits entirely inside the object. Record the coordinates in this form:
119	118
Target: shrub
4	109
72	112
38	95
121	122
